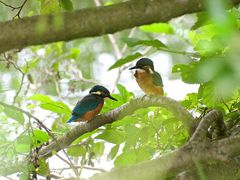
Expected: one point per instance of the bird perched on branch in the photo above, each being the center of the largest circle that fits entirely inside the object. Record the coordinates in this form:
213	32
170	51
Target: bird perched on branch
90	105
148	80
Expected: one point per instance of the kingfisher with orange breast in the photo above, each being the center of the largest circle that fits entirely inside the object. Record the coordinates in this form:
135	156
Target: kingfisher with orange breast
90	106
148	80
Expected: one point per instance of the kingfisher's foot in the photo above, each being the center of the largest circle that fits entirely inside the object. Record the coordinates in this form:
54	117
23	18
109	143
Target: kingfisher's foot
144	96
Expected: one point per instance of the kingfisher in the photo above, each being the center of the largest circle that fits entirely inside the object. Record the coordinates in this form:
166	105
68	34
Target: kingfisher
148	80
90	105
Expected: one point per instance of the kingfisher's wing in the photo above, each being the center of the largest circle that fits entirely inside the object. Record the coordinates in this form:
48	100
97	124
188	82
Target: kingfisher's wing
157	79
88	103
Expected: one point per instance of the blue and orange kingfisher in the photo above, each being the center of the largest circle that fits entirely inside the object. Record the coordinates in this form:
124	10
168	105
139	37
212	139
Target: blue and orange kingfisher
90	105
148	80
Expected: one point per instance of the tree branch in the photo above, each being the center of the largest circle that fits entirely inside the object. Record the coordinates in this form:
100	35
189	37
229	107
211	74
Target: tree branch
42	29
109	117
206	121
117	114
177	161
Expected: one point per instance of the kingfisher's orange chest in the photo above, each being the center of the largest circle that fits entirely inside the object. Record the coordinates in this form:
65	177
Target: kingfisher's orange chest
145	82
90	114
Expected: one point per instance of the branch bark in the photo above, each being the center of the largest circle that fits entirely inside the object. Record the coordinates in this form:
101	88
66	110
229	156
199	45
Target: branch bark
109	117
187	157
117	114
42	29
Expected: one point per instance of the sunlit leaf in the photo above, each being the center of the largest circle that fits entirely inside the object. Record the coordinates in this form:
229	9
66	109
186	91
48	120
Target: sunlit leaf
113	136
124	93
57	107
40	98
143	154
49	6
126	159
98	148
202	19
158	28
113	152
153	43
76	151
14	114
22	148
43	168
207	93
66	4
125	60
40	137
75	52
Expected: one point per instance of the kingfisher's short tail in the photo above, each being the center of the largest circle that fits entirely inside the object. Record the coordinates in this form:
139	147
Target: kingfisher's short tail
72	119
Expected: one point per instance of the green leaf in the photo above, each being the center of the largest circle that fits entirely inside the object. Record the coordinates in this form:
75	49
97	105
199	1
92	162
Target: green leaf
158	28
57	107
30	65
49	6
153	43
40	137
113	136
125	60
113	152
190	101
207	94
126	159
24	176
98	148
22	148
15	82
48	104
146	133
143	154
187	72
40	98
133	134
75	52
43	168
126	96
76	151
14	114
66	4
202	19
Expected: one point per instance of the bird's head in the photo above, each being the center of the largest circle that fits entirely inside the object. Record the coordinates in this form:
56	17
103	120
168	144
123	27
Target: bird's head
101	91
144	64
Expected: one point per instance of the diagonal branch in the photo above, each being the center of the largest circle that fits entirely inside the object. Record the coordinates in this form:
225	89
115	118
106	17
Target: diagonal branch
109	117
117	114
203	126
92	22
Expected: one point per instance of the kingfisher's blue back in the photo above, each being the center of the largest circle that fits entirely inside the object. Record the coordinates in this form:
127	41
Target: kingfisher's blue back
87	108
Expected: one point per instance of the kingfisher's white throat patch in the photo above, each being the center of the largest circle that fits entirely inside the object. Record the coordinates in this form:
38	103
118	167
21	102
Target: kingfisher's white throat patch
96	92
140	70
150	70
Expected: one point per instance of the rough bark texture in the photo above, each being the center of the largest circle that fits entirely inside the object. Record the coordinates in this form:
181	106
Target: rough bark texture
197	153
42	29
109	117
117	114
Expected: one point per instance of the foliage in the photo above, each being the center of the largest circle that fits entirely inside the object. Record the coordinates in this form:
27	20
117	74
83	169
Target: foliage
47	80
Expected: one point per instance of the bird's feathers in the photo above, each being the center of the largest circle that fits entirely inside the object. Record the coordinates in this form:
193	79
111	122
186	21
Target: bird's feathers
88	103
157	79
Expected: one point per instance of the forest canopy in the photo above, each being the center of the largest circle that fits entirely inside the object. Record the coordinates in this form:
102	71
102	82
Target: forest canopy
54	51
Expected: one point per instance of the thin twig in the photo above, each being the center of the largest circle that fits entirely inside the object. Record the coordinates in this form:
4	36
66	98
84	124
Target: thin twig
84	167
9	61
15	8
26	113
69	162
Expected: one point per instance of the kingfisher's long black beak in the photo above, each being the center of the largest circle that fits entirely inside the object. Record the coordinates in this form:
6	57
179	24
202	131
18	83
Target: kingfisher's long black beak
112	98
134	67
